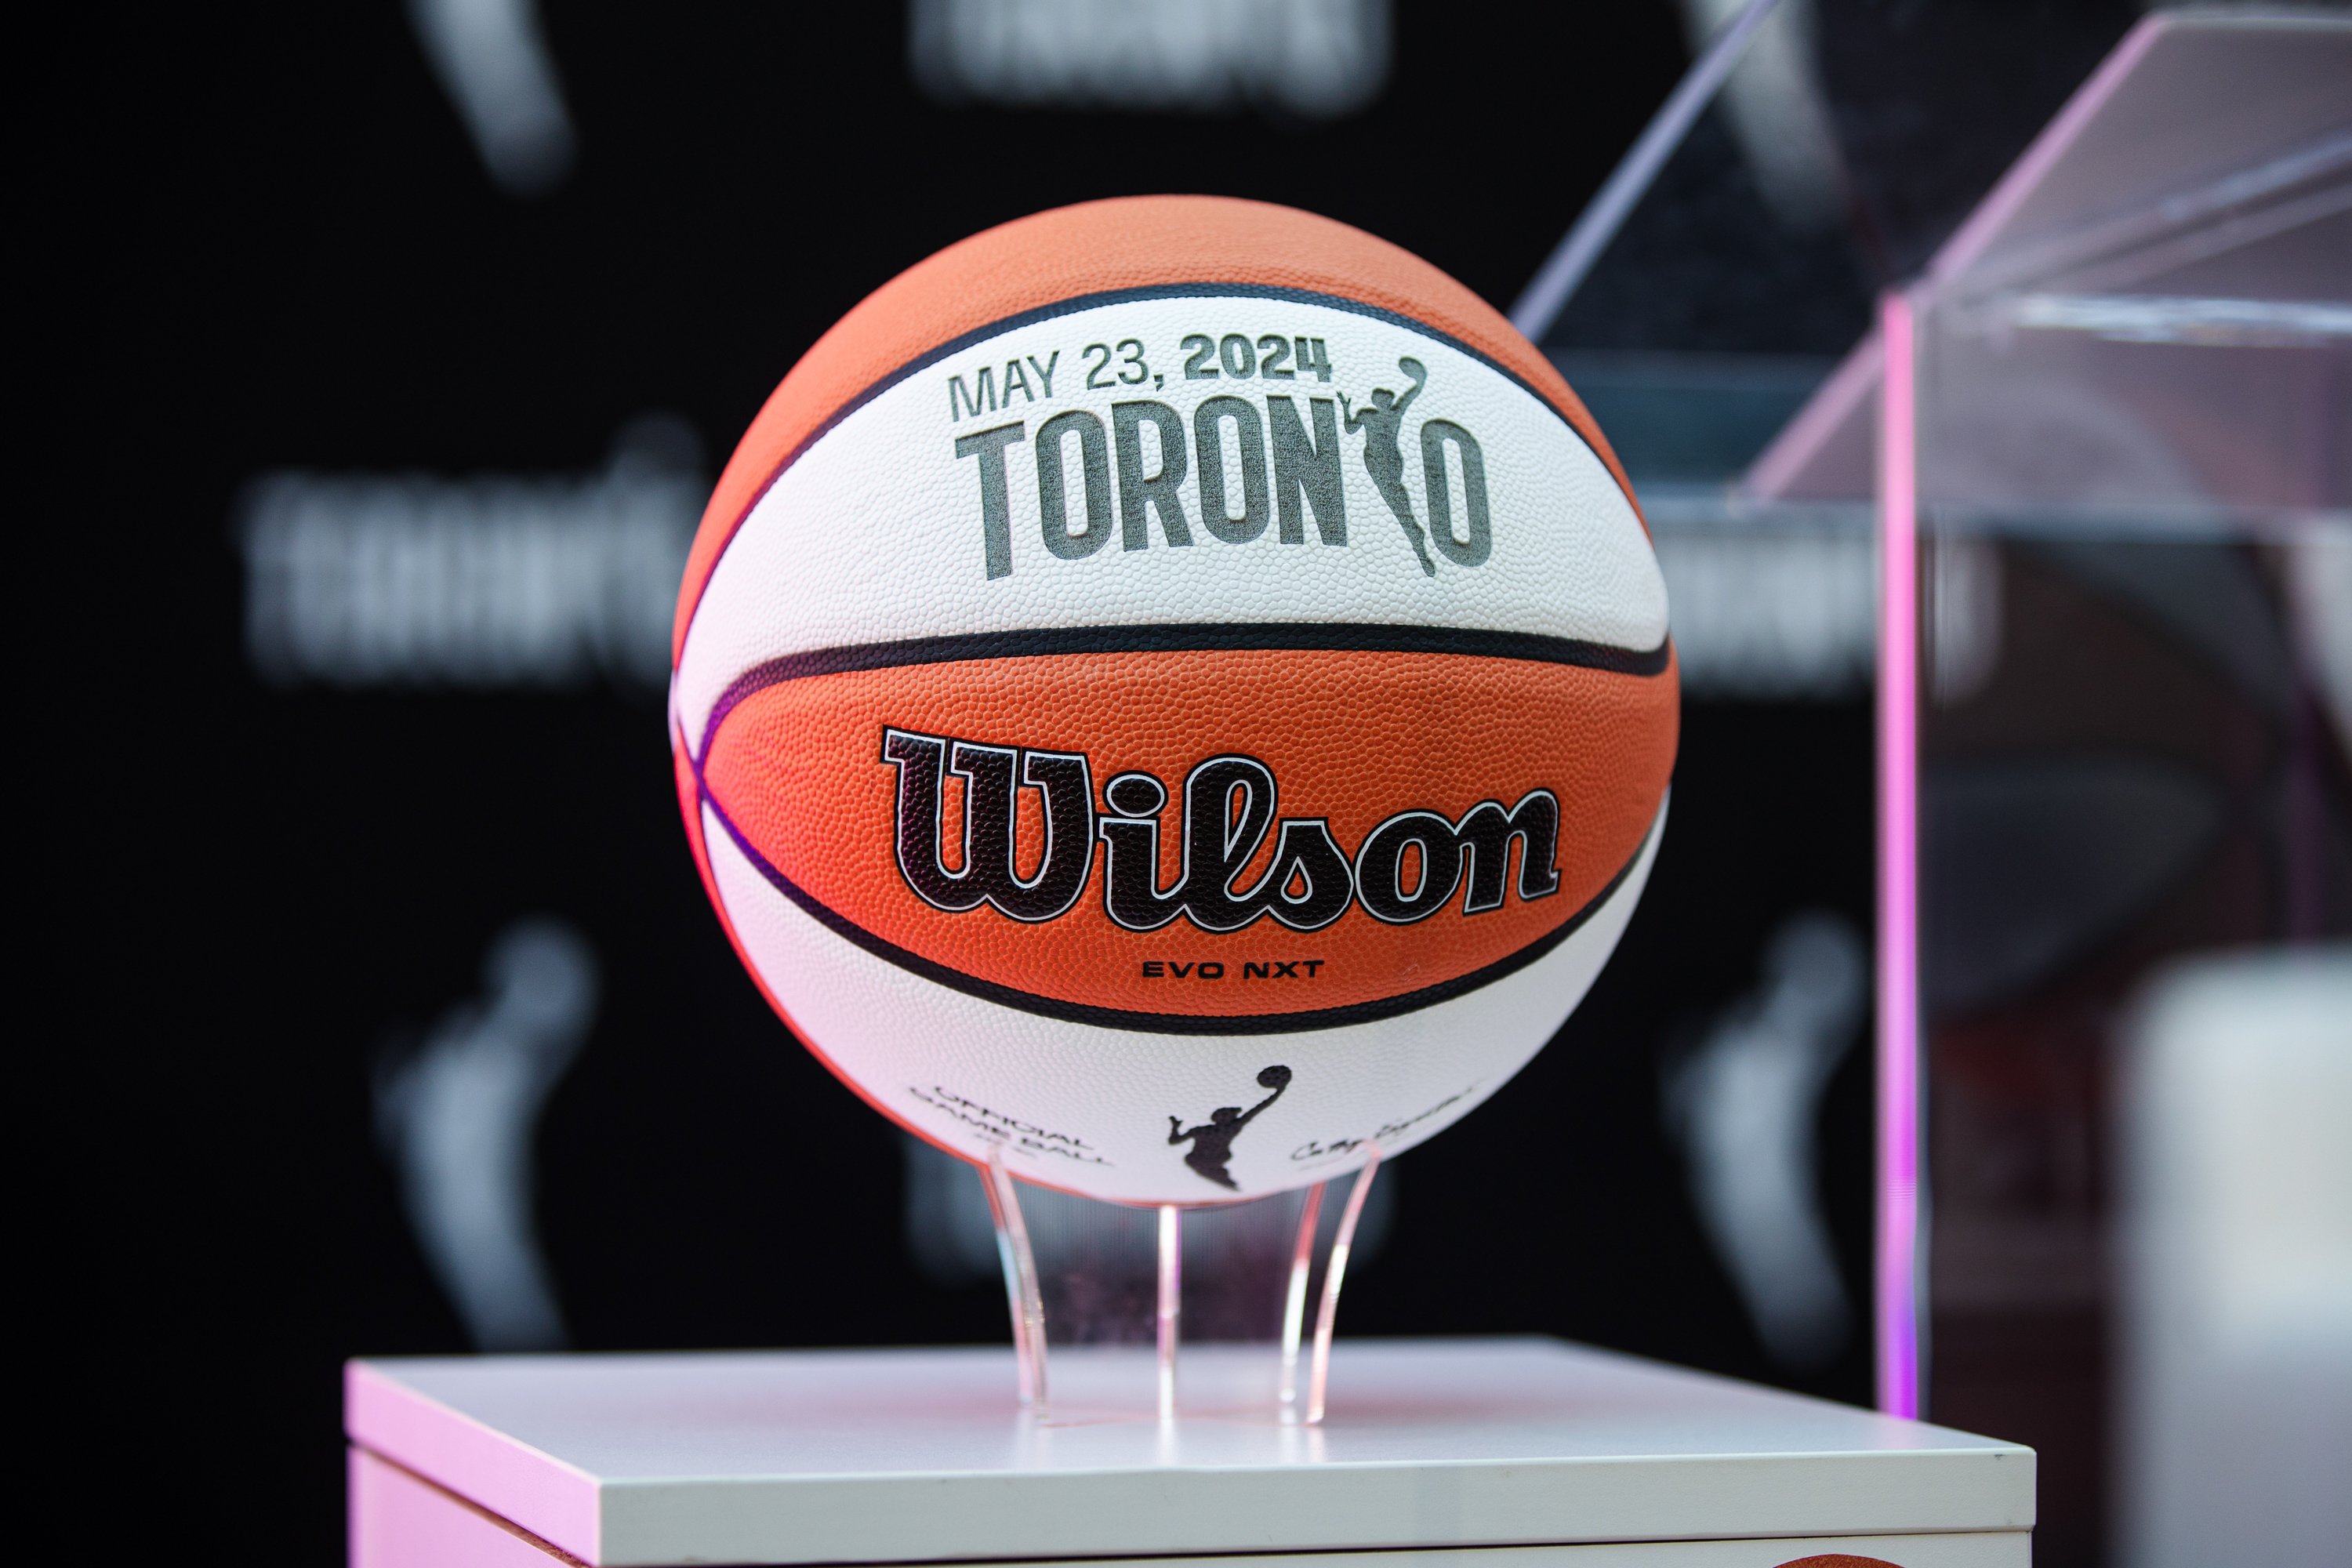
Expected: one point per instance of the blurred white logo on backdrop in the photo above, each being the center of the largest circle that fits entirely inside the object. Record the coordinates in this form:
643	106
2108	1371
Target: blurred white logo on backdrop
1777	111
1745	1105
459	1116
1777	613
491	58
370	580
1317	59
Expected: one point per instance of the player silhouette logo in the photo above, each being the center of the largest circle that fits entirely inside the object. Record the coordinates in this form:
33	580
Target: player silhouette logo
1382	422
1213	1140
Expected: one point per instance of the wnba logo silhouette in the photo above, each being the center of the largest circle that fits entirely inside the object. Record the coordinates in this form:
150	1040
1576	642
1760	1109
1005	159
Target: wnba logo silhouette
1382	423
1213	1140
1407	868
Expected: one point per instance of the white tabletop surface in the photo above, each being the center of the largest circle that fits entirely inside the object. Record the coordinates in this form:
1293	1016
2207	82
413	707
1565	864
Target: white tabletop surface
906	1456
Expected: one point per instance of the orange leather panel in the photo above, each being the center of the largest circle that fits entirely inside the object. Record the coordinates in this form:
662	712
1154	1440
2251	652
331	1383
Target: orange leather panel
1097	247
1351	737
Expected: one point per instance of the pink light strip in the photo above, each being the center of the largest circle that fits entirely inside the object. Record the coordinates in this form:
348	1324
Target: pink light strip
1898	865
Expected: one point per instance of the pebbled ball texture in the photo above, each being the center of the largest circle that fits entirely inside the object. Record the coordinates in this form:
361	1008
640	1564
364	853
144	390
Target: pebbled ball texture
1167	657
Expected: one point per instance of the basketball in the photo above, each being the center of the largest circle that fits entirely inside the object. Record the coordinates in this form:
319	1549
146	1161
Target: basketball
1176	691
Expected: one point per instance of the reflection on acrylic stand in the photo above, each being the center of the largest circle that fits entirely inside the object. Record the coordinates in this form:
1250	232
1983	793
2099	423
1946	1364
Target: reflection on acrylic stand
1079	1292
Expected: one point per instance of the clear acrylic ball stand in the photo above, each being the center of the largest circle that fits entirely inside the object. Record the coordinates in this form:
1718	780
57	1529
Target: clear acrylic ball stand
1094	1282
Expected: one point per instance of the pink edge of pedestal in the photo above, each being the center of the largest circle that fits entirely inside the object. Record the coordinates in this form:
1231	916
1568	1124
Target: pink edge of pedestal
517	1482
398	1519
1897	1283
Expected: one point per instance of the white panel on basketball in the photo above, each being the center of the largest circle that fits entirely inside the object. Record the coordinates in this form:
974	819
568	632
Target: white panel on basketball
875	534
1055	1094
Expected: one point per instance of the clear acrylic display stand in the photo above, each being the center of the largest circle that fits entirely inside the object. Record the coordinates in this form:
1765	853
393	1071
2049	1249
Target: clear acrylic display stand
1090	1284
2120	384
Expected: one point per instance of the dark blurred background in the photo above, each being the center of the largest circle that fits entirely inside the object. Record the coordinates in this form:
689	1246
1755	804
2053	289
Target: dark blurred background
426	329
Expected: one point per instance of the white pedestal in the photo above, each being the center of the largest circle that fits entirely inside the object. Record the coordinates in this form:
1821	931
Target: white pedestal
1579	1457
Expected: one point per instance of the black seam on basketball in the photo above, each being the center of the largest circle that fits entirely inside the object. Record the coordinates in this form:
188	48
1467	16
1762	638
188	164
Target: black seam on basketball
1191	637
1166	1023
1071	306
